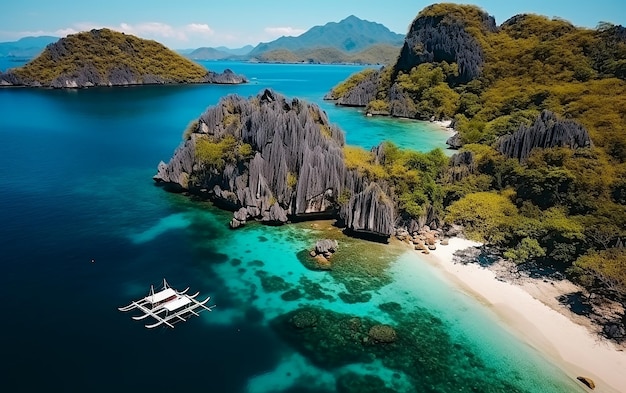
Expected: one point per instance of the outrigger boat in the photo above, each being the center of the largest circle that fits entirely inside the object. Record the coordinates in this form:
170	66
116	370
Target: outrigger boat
168	306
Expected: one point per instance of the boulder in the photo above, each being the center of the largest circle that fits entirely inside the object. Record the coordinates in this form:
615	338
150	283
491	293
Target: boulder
326	246
588	382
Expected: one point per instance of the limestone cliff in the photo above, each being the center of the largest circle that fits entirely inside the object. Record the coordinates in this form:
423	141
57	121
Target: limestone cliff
108	58
440	34
292	166
547	131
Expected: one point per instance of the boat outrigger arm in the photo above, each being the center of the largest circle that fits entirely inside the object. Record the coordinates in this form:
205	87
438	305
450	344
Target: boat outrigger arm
168	306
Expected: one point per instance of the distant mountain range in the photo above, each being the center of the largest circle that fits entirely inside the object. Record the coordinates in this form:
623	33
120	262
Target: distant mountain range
219	53
26	47
349	35
348	41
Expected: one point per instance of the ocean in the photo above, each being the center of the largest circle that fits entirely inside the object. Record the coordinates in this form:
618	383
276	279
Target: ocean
85	230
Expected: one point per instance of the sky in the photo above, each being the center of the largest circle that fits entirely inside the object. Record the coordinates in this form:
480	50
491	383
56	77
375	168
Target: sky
188	24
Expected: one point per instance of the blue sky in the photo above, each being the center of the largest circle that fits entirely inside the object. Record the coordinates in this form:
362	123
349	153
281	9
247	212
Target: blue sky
195	23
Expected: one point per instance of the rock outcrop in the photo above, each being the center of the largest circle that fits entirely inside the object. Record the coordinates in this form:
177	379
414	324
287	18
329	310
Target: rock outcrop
361	94
547	131
436	36
108	58
295	167
441	32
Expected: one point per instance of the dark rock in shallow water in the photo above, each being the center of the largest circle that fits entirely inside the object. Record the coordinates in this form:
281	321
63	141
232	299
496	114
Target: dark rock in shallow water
326	246
547	131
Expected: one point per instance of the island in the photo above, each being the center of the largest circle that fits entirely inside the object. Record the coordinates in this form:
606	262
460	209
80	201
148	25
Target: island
108	58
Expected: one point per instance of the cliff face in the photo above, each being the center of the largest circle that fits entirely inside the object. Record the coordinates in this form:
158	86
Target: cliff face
547	131
440	33
435	37
295	168
107	58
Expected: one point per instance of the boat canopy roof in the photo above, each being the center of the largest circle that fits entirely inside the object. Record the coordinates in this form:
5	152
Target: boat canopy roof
160	296
177	303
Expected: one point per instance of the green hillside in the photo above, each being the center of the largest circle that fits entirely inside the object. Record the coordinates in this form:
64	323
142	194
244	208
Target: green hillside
554	204
375	54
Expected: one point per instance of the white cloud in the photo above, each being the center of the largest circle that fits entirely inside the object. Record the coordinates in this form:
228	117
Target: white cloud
200	28
153	30
276	32
183	36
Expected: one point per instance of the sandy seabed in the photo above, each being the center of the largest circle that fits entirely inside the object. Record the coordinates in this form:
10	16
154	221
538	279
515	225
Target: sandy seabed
571	346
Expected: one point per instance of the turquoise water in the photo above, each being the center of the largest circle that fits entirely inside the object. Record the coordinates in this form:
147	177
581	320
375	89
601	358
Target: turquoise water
76	187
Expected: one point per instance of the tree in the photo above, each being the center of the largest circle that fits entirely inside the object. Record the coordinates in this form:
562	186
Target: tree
487	216
607	268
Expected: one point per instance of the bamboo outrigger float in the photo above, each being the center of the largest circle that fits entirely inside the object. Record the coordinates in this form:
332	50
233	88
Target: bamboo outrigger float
168	306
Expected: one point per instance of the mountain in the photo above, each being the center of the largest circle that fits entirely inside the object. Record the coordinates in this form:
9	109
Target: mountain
349	35
108	58
208	54
244	50
219	53
25	47
375	54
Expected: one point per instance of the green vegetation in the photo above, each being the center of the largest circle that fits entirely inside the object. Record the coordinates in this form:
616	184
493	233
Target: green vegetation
215	154
411	175
351	82
561	206
103	50
603	270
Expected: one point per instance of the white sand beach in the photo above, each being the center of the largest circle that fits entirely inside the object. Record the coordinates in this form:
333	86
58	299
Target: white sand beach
570	345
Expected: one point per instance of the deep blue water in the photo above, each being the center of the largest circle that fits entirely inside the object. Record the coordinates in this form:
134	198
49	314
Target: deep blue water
84	230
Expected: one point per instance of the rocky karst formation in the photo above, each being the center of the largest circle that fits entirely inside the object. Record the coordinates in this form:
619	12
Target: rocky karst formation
435	37
547	131
441	32
108	58
295	167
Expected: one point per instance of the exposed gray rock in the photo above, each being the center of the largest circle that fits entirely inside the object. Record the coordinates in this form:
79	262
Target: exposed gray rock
454	142
297	168
547	131
461	165
228	77
371	211
445	38
361	94
400	103
326	246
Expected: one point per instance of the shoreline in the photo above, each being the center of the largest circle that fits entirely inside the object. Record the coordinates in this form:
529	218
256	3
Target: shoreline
571	346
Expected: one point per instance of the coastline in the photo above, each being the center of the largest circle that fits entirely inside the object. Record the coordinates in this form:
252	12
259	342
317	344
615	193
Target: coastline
572	347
